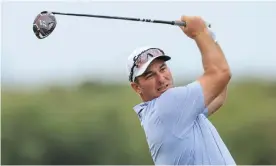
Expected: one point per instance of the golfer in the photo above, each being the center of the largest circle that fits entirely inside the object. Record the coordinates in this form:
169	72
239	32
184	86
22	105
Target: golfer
175	119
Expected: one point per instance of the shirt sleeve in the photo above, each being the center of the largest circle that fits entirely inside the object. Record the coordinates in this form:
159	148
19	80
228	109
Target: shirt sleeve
206	113
180	106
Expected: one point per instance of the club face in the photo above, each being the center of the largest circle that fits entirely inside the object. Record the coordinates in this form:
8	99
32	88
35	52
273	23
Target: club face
44	24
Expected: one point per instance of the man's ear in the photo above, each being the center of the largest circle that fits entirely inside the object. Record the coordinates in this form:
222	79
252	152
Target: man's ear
135	86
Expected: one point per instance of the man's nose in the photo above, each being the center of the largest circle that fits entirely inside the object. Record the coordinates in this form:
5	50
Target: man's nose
161	78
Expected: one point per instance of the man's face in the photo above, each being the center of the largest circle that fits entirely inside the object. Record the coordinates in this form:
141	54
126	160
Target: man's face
155	80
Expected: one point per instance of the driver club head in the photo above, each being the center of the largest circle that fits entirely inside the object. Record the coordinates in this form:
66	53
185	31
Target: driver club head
44	24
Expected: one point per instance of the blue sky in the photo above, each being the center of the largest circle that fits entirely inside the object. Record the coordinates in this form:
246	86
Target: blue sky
92	48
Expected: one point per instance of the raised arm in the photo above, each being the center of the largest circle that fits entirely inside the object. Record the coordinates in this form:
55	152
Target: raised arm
216	69
218	102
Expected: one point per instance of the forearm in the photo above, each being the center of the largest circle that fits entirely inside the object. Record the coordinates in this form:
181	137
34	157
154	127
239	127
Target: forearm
216	70
217	102
213	58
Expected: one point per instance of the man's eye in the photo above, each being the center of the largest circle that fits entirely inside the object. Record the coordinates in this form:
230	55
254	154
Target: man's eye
163	69
148	76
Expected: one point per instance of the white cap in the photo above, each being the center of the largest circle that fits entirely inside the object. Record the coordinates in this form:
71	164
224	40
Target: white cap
139	71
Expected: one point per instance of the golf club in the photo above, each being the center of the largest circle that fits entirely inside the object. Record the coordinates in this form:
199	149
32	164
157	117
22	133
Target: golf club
45	22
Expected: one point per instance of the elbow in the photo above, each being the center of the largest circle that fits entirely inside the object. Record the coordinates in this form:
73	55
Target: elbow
223	75
226	74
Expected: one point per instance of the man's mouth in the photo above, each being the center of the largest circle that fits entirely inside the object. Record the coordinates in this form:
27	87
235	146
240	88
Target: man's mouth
162	88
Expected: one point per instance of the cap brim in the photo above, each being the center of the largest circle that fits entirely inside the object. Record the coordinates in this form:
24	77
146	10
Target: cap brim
145	66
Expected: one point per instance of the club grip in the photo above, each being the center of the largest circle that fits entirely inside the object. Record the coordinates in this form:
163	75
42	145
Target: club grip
180	23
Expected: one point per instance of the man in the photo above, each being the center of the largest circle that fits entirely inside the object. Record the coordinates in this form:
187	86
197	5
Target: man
175	119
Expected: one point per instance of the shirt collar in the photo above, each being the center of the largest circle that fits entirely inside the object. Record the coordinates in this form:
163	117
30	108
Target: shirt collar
139	107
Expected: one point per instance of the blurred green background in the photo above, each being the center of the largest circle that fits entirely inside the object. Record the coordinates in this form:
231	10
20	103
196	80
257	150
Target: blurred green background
69	120
93	123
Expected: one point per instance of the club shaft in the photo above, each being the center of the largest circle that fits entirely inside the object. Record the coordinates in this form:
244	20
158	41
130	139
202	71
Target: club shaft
178	23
